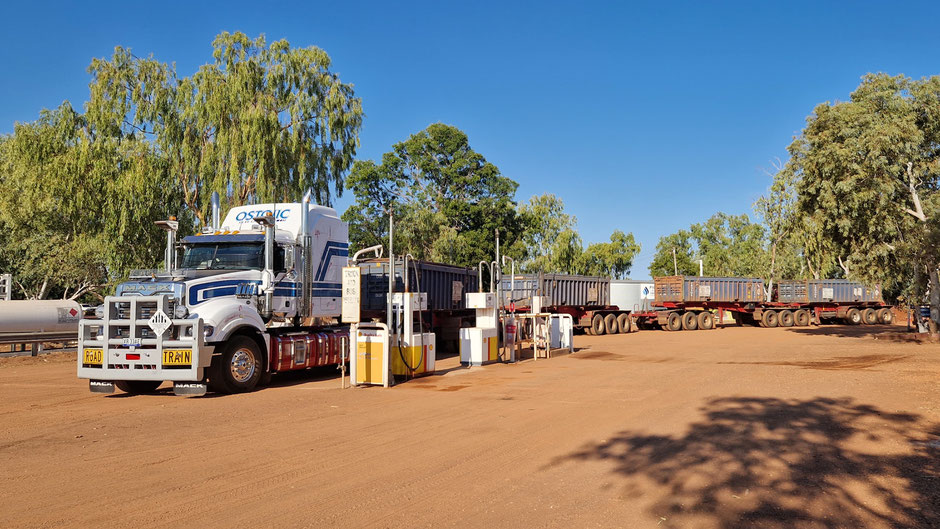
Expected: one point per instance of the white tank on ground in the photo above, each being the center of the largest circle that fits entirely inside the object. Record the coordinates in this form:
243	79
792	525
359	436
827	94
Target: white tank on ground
19	316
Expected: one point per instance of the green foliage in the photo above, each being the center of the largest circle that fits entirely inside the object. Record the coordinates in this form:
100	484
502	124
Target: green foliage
545	220
674	254
447	199
77	204
260	123
567	251
611	259
79	191
729	245
866	174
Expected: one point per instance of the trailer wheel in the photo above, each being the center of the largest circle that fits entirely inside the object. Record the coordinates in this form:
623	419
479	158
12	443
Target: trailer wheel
138	387
770	319
853	316
673	321
885	316
869	316
625	323
238	368
706	321
597	325
785	318
610	324
689	321
801	318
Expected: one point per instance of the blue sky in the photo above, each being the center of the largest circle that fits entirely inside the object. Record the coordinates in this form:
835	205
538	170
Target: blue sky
644	117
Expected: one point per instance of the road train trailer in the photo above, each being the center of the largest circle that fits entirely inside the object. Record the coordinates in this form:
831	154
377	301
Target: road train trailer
597	305
693	302
700	303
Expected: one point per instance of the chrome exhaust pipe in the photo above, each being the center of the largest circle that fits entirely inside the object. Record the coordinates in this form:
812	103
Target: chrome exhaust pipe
215	210
306	242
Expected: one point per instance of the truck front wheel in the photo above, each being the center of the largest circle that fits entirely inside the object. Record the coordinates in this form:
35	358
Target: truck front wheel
238	368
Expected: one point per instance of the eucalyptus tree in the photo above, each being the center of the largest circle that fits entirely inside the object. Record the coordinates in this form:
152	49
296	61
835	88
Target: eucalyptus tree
79	191
449	200
867	174
261	122
674	255
545	220
77	204
728	245
611	259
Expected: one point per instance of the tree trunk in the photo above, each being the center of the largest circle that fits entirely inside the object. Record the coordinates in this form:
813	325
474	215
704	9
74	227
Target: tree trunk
773	263
934	298
845	267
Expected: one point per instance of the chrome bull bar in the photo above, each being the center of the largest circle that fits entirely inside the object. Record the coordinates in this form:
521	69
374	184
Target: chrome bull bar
138	339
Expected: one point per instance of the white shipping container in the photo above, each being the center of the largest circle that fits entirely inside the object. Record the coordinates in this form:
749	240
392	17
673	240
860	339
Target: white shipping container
632	294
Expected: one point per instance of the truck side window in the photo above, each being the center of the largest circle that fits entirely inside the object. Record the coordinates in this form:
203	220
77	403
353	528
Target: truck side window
279	260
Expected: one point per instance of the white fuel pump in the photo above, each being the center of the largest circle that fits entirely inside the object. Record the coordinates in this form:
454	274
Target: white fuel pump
479	345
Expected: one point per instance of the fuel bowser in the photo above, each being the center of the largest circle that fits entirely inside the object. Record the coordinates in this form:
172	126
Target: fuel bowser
411	349
480	345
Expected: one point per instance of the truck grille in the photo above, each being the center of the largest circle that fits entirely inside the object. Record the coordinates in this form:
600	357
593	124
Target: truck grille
145	309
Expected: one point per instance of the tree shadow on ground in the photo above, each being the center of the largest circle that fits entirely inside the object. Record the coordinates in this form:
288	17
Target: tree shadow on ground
771	463
852	331
838	363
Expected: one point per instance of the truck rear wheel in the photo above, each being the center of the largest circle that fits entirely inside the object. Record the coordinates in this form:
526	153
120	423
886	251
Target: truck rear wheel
238	368
869	316
137	387
673	321
853	316
689	321
706	321
597	325
785	318
801	318
769	318
885	316
625	323
610	323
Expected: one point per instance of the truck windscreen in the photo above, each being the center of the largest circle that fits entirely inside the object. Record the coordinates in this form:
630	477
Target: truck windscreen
224	257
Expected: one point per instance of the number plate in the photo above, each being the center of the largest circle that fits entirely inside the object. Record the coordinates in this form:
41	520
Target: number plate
131	341
92	356
178	357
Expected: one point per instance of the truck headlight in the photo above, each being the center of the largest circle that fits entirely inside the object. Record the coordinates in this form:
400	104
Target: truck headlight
181	311
99	312
207	330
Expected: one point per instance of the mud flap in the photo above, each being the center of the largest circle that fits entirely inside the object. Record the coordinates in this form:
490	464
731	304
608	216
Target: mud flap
100	386
194	389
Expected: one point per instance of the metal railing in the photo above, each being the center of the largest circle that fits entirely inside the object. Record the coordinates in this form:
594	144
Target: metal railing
17	342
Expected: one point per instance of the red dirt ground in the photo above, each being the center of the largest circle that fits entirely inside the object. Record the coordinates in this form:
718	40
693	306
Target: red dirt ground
738	427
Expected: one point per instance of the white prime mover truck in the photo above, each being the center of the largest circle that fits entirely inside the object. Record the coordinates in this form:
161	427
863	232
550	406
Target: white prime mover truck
253	296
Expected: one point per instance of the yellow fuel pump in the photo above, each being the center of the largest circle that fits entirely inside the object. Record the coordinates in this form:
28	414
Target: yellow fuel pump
412	351
369	355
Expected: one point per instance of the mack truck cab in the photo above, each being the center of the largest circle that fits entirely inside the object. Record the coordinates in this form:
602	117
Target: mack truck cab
253	295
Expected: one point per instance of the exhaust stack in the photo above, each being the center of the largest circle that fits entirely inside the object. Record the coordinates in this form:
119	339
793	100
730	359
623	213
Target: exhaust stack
215	210
305	244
